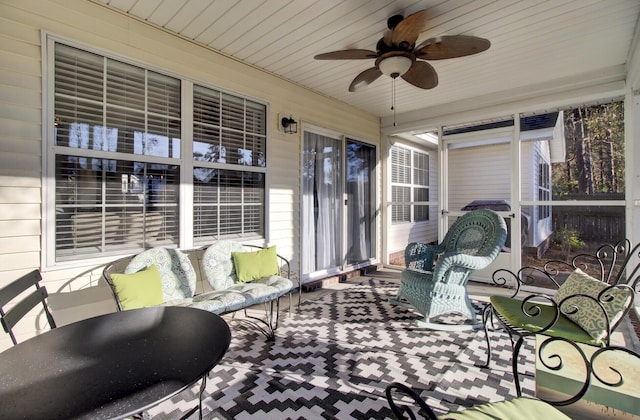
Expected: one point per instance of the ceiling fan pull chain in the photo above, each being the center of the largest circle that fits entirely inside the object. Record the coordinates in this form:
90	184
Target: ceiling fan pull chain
393	99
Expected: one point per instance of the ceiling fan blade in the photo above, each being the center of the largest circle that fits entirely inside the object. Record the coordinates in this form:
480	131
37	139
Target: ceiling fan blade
353	54
365	78
422	75
451	46
409	29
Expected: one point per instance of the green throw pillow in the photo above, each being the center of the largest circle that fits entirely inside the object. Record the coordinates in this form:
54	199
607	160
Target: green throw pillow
517	408
256	265
589	315
140	289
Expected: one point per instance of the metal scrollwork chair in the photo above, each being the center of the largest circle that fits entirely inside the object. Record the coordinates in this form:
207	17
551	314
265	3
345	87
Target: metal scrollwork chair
585	309
435	280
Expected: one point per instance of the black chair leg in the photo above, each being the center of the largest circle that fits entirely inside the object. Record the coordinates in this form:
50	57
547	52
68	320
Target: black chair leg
514	364
487	314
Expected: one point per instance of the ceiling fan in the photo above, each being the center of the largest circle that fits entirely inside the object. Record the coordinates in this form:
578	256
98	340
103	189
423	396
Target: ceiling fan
396	54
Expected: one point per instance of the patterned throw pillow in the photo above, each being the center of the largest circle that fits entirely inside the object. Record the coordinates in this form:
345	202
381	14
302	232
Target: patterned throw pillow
176	272
589	315
217	264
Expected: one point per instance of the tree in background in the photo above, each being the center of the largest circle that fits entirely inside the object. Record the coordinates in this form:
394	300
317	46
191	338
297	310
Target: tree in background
594	151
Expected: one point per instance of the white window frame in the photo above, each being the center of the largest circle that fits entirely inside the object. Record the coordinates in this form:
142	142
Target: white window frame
543	193
186	163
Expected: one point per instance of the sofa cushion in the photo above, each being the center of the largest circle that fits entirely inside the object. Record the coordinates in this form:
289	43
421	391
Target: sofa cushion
255	265
176	272
511	310
242	295
218	266
140	289
222	301
264	289
585	311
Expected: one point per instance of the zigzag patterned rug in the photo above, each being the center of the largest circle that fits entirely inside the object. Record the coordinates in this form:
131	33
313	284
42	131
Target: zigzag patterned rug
334	357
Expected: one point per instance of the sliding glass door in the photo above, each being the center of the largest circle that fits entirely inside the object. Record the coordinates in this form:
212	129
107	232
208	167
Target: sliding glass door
321	203
337	203
360	183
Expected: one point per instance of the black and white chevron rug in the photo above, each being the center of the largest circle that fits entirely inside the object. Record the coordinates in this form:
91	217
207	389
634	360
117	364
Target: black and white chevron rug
333	358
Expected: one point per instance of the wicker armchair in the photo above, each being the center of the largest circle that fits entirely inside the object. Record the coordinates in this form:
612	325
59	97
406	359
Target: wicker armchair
435	281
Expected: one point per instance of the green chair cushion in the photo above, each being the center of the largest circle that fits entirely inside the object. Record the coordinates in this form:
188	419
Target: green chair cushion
589	314
519	408
140	289
511	310
256	265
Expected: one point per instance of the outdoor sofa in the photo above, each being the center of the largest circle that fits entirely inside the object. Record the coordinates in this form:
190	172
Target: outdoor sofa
222	278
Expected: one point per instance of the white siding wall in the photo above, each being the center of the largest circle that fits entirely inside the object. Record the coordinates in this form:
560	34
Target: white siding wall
540	229
478	173
21	144
529	170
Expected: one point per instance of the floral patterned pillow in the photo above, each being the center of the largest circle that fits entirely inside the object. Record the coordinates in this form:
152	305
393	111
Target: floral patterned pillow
217	264
176	272
585	311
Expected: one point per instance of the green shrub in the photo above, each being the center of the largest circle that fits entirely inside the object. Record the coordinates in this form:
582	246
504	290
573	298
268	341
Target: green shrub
568	240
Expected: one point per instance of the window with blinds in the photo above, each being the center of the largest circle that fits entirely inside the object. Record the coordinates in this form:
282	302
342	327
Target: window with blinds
420	185
409	184
107	115
400	184
117	159
229	133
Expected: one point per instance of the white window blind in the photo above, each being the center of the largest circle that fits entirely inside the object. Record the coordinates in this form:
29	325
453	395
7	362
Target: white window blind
400	184
409	184
228	130
420	185
107	113
400	212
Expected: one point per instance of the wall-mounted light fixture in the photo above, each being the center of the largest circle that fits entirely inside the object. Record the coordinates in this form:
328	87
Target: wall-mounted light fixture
289	125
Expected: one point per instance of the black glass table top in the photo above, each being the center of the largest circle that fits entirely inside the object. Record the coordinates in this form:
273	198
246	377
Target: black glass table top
110	366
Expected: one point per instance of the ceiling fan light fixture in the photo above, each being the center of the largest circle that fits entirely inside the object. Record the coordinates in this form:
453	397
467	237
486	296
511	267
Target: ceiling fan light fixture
395	66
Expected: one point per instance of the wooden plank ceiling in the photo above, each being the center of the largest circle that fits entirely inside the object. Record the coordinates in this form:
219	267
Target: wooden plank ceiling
537	46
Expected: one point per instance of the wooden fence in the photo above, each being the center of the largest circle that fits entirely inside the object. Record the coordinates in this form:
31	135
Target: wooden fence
595	224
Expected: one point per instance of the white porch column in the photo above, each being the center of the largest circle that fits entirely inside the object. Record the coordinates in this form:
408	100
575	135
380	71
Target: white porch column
632	155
